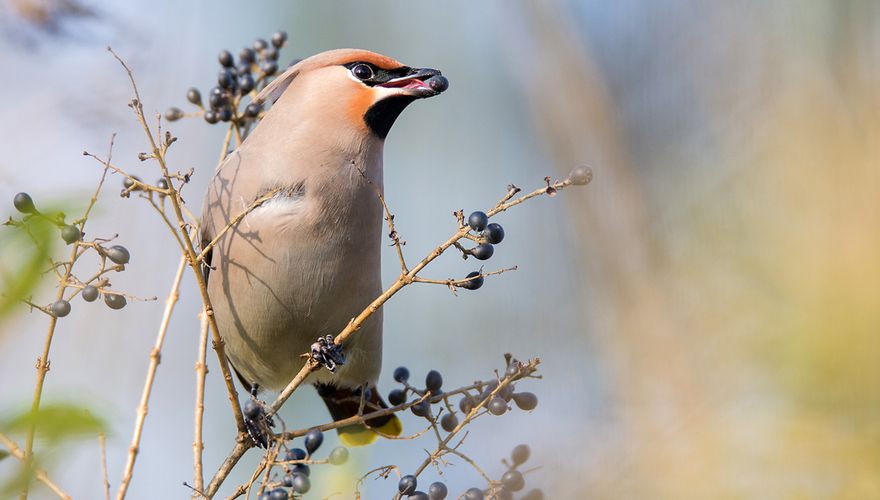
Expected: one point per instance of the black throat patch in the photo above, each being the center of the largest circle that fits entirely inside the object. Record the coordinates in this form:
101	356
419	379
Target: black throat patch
380	117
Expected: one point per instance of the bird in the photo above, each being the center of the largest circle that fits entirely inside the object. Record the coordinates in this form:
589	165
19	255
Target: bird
299	265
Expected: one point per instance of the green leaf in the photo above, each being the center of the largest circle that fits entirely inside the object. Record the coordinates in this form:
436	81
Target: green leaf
56	422
25	248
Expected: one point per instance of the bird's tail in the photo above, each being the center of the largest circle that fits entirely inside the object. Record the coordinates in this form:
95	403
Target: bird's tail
344	402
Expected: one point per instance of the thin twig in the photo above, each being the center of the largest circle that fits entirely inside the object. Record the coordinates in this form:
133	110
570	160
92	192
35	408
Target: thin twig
201	373
155	357
40	474
102	442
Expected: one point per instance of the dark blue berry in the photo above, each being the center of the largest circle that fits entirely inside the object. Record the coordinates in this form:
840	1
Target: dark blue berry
494	233
60	308
397	397
269	68
247	55
483	251
211	116
437	491
118	254
260	44
225	114
300	469
497	406
194	96
313	440
226	80
278	494
513	480
407	484
225	58
473	284
419	495
278	38
474	494
433	381
295	454
401	374
525	400
478	220
173	114
422	409
252	110
245	83
438	83
90	293
301	483
449	422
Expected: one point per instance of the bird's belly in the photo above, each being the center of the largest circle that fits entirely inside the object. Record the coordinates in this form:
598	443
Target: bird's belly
281	281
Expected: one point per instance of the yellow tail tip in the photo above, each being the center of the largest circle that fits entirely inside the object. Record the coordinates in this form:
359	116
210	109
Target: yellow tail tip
361	435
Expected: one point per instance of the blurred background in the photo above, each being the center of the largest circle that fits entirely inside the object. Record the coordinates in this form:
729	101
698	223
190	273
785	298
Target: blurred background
706	311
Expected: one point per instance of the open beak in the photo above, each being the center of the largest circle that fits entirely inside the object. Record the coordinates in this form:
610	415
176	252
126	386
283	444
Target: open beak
420	83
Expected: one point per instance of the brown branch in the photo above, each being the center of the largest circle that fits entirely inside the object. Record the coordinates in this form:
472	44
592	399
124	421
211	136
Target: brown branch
40	474
155	356
201	374
191	254
102	442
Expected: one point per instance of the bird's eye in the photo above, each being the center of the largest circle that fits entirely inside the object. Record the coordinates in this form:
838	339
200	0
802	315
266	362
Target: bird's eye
362	71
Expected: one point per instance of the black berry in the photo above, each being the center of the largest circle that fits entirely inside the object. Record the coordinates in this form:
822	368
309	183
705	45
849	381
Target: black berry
422	409
449	422
130	181
466	404
506	392
407	484
24	203
90	293
245	83
478	220
401	374
225	114
269	68
419	495
483	251
70	234
295	454
194	96
437	491
473	284
438	83
60	308
433	381
278	38
301	483
114	301
397	397
525	400
494	233
300	469
513	480
226	80
270	54
260	44
162	183
247	55
278	494
217	99
225	58
474	494
173	114
497	406
252	110
118	254
520	454
313	440
211	116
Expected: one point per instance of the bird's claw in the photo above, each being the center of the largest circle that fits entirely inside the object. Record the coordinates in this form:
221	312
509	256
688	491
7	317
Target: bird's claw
327	353
257	422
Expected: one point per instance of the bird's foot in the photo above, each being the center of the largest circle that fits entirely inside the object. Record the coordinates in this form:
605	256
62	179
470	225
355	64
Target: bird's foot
257	421
327	353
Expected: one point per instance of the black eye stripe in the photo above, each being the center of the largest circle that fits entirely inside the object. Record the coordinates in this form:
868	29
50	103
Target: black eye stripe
379	75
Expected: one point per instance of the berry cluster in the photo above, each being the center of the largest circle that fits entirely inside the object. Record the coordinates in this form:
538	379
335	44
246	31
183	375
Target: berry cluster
255	67
487	236
493	397
295	481
73	235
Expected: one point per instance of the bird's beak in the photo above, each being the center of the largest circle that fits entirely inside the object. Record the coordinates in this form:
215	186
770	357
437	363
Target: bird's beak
419	83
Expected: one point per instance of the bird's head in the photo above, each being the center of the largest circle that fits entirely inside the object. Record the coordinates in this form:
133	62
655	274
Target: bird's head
367	89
